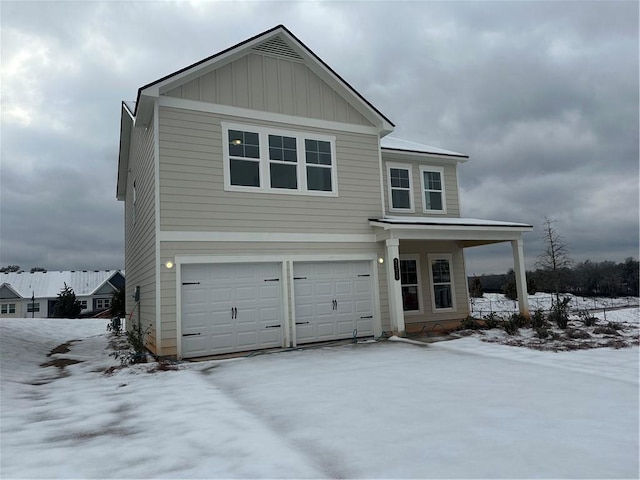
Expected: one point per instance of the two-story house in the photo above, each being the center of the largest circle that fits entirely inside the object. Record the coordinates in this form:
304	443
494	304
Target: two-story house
266	205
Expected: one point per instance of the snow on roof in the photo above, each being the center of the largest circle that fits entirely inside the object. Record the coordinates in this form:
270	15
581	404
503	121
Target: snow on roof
49	284
462	222
400	144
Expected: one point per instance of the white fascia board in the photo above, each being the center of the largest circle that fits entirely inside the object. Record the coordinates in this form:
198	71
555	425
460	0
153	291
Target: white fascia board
246	113
272	258
405	155
126	124
182	236
447	232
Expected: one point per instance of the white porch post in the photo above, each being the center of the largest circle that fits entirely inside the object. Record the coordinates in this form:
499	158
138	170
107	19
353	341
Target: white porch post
521	278
394	287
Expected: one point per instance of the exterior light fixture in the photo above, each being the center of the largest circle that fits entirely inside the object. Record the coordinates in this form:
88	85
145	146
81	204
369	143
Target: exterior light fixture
169	265
380	260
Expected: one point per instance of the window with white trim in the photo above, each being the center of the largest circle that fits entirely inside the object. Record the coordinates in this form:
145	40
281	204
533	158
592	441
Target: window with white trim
400	182
278	161
33	307
102	303
8	308
83	304
410	283
433	197
441	275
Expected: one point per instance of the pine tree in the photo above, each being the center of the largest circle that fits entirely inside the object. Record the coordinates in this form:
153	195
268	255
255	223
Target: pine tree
67	305
475	289
510	288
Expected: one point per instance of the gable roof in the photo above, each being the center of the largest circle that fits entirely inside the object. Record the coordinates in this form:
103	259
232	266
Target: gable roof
49	284
277	40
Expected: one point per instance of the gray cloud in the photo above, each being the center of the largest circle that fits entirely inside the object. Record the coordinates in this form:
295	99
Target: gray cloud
542	95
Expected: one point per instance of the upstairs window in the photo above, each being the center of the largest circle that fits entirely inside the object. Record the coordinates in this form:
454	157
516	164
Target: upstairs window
244	158
276	161
433	199
318	161
400	187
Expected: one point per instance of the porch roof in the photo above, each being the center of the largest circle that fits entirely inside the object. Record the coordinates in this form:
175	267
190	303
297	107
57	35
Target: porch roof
467	231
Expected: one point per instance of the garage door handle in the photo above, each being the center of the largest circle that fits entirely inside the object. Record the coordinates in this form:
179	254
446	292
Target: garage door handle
364	275
272	326
271	279
234	312
302	323
370	316
191	283
299	278
189	334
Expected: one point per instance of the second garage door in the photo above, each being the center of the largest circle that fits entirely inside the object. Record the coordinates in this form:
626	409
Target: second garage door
333	300
230	308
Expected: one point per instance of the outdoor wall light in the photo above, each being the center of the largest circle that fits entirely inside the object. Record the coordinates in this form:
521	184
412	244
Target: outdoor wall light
380	260
169	265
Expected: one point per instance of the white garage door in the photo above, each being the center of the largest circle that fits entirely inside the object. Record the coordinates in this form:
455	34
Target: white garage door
332	300
230	308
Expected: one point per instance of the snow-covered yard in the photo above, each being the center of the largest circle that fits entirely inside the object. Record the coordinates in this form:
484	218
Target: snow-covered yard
461	408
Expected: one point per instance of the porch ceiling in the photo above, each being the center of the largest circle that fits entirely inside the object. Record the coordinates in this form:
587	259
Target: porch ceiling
469	231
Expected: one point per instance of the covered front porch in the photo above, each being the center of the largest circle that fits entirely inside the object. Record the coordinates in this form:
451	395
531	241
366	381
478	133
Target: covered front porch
425	271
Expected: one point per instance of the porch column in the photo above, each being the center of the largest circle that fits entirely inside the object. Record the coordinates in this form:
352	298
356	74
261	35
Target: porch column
396	312
521	278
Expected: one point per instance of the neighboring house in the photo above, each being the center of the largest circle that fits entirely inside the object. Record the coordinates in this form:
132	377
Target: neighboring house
267	206
24	294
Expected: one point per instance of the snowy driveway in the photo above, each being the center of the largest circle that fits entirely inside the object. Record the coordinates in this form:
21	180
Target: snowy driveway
454	409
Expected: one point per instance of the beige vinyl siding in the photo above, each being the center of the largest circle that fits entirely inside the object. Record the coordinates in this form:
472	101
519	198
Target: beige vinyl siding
140	231
168	276
192	195
271	84
423	249
450	188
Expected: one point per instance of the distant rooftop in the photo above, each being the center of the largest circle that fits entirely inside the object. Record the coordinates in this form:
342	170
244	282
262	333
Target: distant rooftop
48	284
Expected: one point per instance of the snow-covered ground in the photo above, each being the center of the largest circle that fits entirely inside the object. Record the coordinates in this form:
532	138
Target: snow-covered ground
454	409
497	302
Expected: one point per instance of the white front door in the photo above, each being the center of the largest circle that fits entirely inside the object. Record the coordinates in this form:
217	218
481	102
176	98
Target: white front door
333	300
230	308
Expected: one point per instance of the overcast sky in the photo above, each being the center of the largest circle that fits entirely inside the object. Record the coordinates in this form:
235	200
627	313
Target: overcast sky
543	96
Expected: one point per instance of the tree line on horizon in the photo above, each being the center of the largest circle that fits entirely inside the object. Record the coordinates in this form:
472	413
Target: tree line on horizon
586	279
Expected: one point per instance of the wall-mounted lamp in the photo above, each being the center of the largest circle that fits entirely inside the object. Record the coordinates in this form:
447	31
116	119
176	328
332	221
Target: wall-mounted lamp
381	260
169	265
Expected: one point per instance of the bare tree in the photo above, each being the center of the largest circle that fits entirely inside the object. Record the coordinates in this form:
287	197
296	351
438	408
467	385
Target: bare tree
555	259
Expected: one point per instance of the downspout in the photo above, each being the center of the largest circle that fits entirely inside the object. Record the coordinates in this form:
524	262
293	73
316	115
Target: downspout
381	173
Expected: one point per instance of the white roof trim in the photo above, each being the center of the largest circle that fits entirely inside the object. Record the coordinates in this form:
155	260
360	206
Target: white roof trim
393	143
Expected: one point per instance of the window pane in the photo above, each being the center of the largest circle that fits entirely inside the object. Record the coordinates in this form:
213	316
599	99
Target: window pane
12	308
441	271
244	144
408	272
282	148
311	145
319	178
318	152
432	180
324	158
324	147
312	157
283	176
400	199
443	296
410	300
399	178
245	172
433	200
4	309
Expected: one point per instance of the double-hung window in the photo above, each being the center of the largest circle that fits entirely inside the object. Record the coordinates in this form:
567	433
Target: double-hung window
441	282
33	307
410	283
278	161
8	308
244	158
432	181
400	187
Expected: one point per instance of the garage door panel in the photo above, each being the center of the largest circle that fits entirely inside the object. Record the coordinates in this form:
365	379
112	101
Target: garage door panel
230	306
330	298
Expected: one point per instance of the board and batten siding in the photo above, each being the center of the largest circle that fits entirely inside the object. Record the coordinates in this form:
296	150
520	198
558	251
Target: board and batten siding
193	198
423	249
140	228
450	188
271	84
288	250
